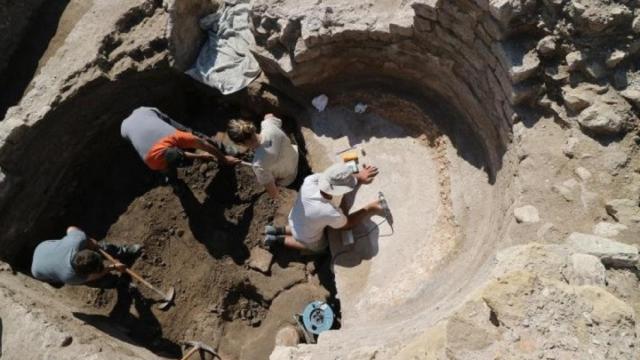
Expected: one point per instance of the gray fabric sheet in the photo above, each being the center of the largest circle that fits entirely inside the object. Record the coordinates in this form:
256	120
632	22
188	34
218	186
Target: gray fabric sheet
225	61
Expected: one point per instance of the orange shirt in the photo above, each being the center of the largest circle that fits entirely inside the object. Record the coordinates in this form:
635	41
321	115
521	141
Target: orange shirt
180	139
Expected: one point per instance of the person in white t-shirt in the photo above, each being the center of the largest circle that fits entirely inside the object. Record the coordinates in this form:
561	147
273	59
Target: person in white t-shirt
313	210
275	160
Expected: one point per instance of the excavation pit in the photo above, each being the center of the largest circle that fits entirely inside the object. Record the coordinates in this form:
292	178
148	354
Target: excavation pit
198	239
439	169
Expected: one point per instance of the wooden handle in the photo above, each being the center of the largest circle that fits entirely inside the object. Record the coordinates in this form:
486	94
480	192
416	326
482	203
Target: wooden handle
191	352
133	274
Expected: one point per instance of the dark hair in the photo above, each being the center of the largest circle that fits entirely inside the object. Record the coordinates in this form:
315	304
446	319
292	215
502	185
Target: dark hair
240	131
174	157
87	262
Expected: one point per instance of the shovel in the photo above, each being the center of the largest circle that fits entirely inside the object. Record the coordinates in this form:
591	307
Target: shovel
167	299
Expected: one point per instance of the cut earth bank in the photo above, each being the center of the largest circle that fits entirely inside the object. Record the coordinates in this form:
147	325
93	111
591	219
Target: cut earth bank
494	123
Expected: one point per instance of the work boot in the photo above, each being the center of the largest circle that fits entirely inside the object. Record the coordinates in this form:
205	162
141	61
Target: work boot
272	240
274	230
123	252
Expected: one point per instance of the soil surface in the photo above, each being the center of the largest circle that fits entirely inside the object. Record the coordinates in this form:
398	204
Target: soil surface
197	238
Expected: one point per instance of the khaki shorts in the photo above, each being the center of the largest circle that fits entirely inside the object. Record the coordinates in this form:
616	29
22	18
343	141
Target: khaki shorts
318	246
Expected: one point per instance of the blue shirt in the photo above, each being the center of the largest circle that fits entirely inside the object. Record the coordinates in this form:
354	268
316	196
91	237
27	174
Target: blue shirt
52	259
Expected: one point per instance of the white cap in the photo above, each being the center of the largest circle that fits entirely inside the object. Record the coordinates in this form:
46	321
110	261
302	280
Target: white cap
337	180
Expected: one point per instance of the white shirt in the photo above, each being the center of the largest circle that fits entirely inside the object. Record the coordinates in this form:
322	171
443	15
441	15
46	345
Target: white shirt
311	213
276	159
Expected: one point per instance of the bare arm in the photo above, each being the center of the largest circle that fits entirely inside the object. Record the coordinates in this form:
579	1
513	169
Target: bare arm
107	269
357	217
272	190
222	158
191	155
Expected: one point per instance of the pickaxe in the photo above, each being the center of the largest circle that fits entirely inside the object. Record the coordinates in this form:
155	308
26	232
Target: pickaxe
197	346
167	299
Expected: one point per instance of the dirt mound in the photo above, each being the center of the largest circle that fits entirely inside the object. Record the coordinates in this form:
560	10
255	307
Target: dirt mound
197	237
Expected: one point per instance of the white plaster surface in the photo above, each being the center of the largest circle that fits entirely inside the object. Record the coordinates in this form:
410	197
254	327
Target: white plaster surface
382	269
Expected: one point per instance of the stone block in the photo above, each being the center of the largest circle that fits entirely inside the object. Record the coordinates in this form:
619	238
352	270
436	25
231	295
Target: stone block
574	60
287	336
586	270
615	58
611	253
260	259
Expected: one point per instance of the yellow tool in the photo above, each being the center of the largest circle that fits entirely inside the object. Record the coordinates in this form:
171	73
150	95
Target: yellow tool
349	156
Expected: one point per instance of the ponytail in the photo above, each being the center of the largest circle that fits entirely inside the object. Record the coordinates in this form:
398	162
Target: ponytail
240	131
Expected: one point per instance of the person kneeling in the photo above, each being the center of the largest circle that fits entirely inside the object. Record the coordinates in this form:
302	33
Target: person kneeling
75	260
313	210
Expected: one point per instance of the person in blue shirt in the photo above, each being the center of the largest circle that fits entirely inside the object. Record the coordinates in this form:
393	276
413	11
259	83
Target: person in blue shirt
75	260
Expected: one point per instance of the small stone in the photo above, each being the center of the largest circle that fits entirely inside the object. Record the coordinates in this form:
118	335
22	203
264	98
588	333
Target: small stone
547	45
564	191
607	229
311	268
623	210
569	146
203	168
526	214
595	70
615	58
635	25
574	60
68	339
260	259
583	173
287	336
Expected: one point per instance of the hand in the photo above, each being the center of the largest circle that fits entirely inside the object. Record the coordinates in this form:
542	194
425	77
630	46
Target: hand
230	160
366	175
207	157
118	267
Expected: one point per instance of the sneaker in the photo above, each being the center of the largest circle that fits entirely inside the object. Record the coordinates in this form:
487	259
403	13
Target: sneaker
274	230
130	250
271	240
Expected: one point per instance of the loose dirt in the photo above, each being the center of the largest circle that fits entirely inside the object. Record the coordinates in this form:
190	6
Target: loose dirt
197	238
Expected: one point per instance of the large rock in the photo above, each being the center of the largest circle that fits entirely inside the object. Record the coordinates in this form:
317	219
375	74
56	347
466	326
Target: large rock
632	95
609	114
575	60
582	96
507	10
611	253
522	316
625	211
547	45
597	16
586	270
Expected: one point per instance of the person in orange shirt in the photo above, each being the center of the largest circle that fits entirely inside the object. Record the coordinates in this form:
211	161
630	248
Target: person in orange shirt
164	144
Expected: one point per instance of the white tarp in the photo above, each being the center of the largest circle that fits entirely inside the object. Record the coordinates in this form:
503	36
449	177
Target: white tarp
225	61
